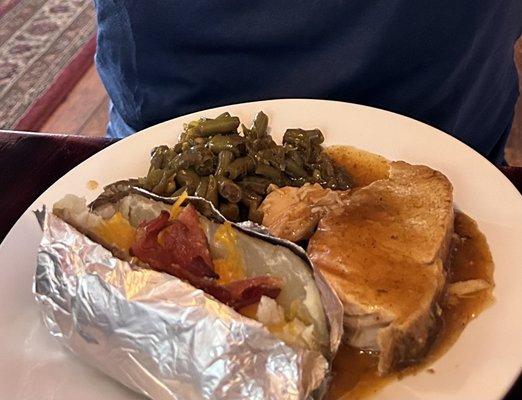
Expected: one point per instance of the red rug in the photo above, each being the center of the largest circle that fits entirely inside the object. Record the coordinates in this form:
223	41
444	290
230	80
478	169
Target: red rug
45	48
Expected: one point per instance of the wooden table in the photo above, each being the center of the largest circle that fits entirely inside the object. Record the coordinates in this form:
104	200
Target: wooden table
31	162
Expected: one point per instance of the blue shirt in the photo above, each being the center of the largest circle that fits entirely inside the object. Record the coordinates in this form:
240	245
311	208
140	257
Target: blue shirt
448	63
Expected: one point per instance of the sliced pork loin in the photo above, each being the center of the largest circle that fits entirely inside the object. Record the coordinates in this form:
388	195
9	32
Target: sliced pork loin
384	253
293	213
383	248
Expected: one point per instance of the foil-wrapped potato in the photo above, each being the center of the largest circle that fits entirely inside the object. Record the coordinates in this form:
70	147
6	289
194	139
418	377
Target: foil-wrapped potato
174	301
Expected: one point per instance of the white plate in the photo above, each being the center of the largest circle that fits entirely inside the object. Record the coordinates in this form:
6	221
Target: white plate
483	363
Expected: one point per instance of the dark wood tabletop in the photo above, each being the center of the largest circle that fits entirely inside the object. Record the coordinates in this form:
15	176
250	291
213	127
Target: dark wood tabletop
31	162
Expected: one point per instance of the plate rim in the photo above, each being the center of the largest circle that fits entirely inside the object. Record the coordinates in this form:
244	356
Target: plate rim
499	175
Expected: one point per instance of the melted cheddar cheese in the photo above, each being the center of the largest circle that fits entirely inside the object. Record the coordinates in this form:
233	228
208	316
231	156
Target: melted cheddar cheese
230	268
116	231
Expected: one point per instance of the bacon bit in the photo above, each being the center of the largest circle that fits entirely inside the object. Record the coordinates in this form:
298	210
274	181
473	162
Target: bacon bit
199	267
249	291
182	243
189	217
148	230
147	234
183	251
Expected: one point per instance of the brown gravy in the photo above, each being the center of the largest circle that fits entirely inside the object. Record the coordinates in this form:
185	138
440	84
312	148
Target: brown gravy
355	372
363	167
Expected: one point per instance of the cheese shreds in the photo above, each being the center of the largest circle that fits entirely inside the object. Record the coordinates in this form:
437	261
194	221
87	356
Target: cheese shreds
230	268
176	207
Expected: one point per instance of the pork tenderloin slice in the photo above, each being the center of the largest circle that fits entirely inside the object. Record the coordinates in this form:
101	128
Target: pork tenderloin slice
384	254
293	213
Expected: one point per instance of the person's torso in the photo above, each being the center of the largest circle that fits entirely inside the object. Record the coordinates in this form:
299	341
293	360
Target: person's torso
445	63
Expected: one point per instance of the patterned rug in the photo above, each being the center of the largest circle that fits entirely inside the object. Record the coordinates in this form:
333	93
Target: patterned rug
45	48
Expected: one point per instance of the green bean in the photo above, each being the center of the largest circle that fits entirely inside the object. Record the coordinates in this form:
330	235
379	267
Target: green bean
249	197
260	124
161	188
262	143
212	160
162	147
270	173
303	137
201	190
153	177
207	164
313	136
316	136
178	147
230	211
228	189
327	168
194	156
241	167
212	190
315	153
316	175
303	149
185	146
189	179
169	155
193	124
275	156
171	187
225	157
330	183
225	115
246	132
297	156
198	154
343	180
255	215
298	140
294	169
158	156
233	143
192	131
293	137
200	140
177	161
296	182
179	192
256	184
142	183
252	201
211	127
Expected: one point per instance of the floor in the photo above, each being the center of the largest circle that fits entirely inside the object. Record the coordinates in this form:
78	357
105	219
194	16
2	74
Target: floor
85	111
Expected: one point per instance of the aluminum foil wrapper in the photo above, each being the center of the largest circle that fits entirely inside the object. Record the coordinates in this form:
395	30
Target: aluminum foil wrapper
162	337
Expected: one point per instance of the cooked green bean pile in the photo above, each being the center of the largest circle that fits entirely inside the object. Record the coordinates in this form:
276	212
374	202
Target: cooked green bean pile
233	170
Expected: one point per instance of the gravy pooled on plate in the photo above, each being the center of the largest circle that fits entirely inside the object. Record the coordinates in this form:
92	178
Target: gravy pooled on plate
355	371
